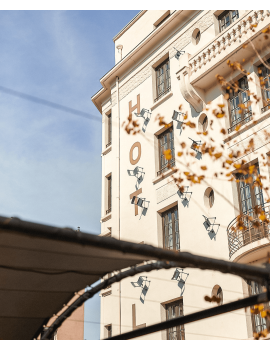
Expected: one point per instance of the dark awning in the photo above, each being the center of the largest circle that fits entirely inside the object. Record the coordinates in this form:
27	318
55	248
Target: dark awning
40	269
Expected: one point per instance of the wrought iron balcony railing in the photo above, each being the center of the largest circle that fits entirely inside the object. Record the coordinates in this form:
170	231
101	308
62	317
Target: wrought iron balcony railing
252	230
164	92
265	108
166	167
240	122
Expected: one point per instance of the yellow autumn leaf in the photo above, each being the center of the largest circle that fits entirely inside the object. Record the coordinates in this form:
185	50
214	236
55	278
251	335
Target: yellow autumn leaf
263	314
204	168
262	217
180	154
237	165
238	127
229	162
218	155
167	154
220	115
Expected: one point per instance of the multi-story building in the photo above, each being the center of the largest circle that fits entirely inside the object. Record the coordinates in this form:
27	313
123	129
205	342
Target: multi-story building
140	200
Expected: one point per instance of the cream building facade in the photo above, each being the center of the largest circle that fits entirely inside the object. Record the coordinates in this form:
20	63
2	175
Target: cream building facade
140	201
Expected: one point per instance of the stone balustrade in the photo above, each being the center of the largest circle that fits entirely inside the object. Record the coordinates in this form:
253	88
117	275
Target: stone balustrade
241	29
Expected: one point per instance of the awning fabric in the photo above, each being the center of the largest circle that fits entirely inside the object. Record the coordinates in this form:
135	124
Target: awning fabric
41	267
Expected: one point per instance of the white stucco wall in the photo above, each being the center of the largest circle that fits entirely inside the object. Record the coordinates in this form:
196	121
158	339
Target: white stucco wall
193	236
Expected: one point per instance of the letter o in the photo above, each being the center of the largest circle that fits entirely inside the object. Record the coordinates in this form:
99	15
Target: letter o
132	161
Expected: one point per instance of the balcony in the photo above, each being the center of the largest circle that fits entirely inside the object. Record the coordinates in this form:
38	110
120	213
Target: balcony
240	122
209	61
255	234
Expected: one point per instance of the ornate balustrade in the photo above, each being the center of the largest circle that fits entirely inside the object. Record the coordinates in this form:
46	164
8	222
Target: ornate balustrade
253	230
242	28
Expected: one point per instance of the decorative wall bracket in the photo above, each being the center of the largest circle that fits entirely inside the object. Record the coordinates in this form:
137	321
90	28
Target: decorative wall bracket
181	277
210	226
146	115
188	92
195	146
144	284
178	53
141	202
138	173
177	117
184	197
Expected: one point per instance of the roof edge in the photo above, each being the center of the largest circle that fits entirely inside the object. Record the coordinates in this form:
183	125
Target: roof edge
130	23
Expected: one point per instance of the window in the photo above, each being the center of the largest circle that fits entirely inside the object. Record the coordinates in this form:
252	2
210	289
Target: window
109	184
209	197
196	36
249	194
173	310
226	18
109	136
203	122
264	75
163	79
171	238
240	109
166	142
258	323
217	291
108	331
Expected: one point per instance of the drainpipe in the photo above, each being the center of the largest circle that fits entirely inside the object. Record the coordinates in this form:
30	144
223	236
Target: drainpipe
118	185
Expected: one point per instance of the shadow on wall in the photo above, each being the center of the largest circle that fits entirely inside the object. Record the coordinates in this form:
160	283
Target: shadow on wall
144	284
139	174
146	115
181	277
194	113
185	196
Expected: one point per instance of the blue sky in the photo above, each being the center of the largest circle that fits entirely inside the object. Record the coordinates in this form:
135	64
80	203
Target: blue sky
50	160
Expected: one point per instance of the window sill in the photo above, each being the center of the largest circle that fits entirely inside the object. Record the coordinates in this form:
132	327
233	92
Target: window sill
107	150
106	218
163	176
247	126
161	100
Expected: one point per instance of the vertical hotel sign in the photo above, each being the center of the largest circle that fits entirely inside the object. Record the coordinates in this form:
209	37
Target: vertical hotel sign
136	145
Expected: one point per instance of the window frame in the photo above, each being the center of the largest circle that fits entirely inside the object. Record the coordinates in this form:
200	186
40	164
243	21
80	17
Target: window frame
244	116
252	191
231	19
109	129
180	329
173	224
109	193
165	165
255	288
265	75
165	81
